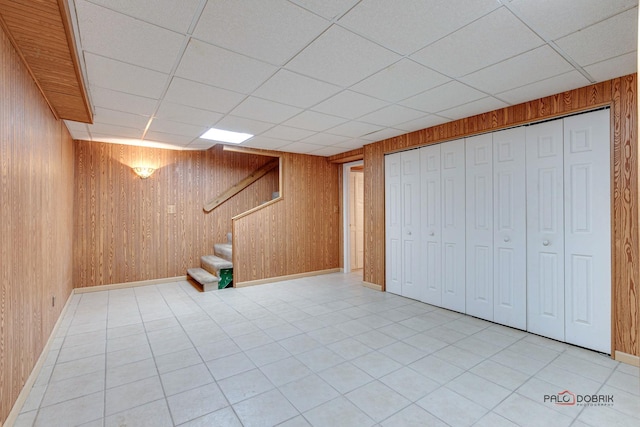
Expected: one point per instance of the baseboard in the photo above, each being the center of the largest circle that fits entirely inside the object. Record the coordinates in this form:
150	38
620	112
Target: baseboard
629	359
372	286
125	285
26	389
283	278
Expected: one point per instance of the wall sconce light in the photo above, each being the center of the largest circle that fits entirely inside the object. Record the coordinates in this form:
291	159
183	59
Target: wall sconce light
143	171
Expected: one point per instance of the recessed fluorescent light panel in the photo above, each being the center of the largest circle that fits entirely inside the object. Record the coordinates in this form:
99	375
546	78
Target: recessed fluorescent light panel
226	136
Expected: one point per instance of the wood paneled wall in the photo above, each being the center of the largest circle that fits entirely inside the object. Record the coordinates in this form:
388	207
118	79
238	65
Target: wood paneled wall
36	196
123	228
297	234
621	95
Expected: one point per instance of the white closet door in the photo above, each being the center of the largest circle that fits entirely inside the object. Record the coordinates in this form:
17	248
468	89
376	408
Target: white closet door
587	230
412	279
393	232
431	228
453	225
479	226
545	233
509	228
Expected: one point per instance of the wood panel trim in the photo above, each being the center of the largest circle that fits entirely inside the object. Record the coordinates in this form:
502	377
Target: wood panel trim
349	156
629	359
114	286
372	286
287	277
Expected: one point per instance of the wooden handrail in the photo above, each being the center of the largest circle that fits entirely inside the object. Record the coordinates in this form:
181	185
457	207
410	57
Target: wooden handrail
250	179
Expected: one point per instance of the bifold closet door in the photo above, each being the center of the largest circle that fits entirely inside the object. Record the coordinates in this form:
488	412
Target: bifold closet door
452	178
509	229
479	226
587	230
545	229
430	196
393	229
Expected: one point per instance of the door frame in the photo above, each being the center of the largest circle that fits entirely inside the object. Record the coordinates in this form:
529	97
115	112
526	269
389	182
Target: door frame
346	214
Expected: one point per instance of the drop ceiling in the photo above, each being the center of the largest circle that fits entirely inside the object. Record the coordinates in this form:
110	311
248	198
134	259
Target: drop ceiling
324	77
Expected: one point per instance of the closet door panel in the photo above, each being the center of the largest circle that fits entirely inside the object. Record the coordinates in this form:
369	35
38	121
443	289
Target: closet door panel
453	224
431	227
411	225
587	230
545	231
479	226
509	228
393	232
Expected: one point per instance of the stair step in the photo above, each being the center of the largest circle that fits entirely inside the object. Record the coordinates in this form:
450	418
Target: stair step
206	279
223	250
213	264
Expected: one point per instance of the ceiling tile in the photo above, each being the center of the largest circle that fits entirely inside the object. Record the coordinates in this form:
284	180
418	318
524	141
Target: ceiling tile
265	143
310	120
383	134
273	31
300	147
414	24
324	139
110	74
491	39
329	9
530	67
473	108
81	135
607	39
202	96
354	129
295	89
128	39
554	19
240	124
170	14
112	117
218	67
75	126
327	151
268	111
115	130
614	67
168	138
287	133
176	128
128	103
399	81
341	57
391	115
200	144
352	144
184	114
443	97
422	123
545	87
350	105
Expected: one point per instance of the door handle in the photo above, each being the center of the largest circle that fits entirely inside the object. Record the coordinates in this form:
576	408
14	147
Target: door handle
507	239
546	243
409	233
431	233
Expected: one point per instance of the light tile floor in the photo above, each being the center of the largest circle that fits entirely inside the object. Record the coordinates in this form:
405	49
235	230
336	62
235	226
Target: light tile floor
320	351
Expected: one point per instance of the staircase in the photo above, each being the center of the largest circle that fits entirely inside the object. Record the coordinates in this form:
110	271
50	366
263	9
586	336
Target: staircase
215	271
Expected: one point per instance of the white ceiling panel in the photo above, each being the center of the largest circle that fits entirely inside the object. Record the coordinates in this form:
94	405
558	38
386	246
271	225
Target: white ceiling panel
327	151
329	9
341	57
324	139
129	40
383	134
555	19
544	88
273	31
443	97
301	147
113	117
399	81
168	138
75	126
473	108
115	130
476	48
614	67
241	124
176	128
200	144
115	75
122	101
265	143
218	67
530	67
295	89
392	115
268	111
202	96
185	114
170	14
350	105
352	144
81	135
287	133
422	123
414	24
318	122
607	39
354	129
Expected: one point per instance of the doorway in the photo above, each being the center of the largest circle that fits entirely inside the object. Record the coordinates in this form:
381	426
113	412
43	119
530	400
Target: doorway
353	225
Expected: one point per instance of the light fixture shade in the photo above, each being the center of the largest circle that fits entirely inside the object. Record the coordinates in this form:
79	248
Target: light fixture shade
143	171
